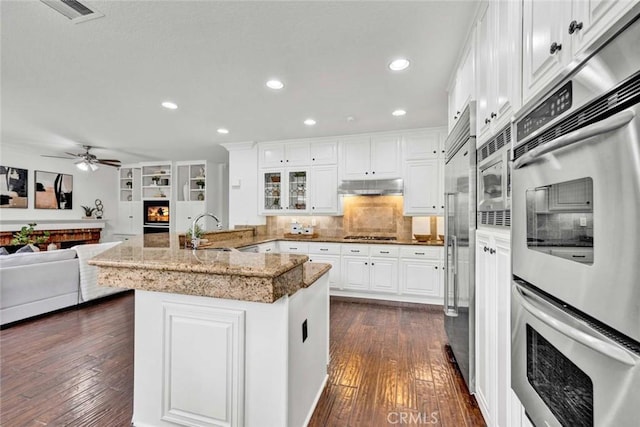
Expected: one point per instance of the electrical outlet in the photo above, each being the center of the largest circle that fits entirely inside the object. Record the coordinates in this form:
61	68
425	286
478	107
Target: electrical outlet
583	221
313	222
305	332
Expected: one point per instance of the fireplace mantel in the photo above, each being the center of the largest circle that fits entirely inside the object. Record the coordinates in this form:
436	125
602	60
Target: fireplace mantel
64	233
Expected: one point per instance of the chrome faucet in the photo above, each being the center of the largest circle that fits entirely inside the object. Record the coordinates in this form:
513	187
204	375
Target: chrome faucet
194	239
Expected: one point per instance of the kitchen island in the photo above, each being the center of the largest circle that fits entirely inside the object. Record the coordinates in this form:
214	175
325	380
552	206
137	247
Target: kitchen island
222	338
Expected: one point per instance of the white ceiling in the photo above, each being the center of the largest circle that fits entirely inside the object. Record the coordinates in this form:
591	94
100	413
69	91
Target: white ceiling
101	82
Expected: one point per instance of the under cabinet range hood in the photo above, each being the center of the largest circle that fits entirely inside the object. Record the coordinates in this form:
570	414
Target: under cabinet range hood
373	187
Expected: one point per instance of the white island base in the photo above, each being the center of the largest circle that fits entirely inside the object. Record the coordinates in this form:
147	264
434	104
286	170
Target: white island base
202	361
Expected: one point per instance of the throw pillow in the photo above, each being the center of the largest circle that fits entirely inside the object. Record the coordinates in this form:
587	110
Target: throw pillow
28	248
4	251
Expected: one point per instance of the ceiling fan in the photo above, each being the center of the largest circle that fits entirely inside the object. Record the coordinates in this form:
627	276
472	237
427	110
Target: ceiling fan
86	160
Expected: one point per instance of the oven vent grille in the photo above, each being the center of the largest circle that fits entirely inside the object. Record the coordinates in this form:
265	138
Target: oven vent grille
503	138
498	218
627	93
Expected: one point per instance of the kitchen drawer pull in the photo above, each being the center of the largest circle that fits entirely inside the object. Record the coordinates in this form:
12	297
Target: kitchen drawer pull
578	256
355	250
418	253
384	252
292	249
324	249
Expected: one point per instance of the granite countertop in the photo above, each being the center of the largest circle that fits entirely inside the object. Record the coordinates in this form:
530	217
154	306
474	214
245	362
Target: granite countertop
256	240
155	262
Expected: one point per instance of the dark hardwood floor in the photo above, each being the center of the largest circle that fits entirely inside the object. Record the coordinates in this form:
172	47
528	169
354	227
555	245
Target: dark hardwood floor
75	368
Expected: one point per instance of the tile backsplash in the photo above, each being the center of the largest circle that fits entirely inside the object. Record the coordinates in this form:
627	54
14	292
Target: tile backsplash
363	216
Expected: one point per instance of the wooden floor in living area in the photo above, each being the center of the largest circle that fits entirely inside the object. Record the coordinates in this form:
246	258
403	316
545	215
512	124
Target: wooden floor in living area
388	367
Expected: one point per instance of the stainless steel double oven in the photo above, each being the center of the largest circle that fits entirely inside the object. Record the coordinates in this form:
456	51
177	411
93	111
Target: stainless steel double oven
575	307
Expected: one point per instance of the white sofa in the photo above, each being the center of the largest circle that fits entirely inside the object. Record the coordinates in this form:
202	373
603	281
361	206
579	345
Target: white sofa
39	282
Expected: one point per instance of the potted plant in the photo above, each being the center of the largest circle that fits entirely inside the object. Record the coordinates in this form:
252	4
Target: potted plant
88	211
200	184
155	180
129	184
25	236
197	232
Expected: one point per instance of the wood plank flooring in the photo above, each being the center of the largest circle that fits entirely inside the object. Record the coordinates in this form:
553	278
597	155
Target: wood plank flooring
388	367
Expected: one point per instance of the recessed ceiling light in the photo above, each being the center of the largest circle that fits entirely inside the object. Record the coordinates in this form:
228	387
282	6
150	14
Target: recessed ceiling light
169	105
399	113
223	131
309	122
399	64
351	118
275	84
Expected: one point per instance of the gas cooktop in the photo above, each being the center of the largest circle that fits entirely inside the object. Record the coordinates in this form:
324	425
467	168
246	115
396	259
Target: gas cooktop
368	238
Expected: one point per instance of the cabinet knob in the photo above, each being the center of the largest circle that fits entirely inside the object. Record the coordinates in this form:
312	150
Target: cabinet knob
287	160
366	173
493	115
366	263
281	161
574	26
487	121
372	264
436	267
313	159
313	207
373	173
434	151
433	207
555	47
486	249
492	251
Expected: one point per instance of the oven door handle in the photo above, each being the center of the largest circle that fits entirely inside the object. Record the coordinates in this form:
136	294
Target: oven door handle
577	331
607	125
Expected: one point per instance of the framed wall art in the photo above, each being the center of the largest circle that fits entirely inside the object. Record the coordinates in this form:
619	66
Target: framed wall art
53	190
13	187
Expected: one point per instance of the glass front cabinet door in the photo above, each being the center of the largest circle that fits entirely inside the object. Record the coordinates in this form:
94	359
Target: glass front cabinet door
284	191
297	190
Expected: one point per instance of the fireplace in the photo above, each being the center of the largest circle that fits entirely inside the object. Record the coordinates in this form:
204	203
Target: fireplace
157	216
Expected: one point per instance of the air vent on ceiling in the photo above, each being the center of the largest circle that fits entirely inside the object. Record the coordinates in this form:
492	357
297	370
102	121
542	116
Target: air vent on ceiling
74	10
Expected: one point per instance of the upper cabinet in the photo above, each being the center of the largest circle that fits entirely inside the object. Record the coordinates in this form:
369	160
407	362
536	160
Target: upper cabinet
462	88
423	144
324	153
370	157
279	154
498	67
558	34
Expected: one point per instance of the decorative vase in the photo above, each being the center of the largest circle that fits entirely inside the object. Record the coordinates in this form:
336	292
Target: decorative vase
185	192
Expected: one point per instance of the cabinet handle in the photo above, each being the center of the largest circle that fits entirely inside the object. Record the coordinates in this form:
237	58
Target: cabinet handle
292	249
418	253
493	115
434	151
130	216
287	160
313	159
492	251
372	264
384	252
486	249
574	26
373	173
433	207
366	173
436	267
281	161
355	251
366	263
487	121
555	47
324	249
313	207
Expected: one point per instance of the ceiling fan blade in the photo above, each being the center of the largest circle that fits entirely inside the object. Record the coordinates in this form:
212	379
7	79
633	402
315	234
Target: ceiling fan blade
73	154
58	157
115	165
109	160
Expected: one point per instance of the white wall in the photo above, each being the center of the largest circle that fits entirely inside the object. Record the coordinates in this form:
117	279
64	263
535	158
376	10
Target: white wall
243	184
87	187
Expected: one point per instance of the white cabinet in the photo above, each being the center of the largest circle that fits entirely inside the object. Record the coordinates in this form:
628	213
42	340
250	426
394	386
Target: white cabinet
462	88
423	187
370	268
267	248
293	247
375	157
384	274
324	152
130	218
498	67
558	34
283	191
493	331
323	189
186	212
355	272
327	253
423	172
279	154
421	272
423	144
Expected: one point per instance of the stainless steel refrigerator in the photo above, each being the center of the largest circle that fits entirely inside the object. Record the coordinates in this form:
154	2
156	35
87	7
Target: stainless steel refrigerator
460	226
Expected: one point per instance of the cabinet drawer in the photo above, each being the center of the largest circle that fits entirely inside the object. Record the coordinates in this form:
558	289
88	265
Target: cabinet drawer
324	248
356	250
294	247
421	252
389	251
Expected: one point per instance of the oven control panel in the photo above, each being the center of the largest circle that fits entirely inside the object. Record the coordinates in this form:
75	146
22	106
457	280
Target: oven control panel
550	108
